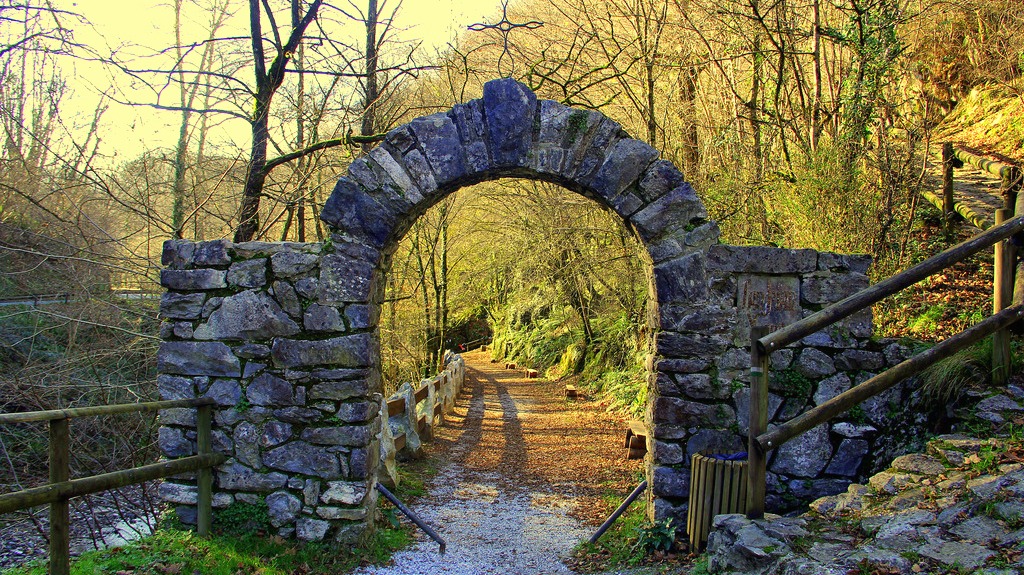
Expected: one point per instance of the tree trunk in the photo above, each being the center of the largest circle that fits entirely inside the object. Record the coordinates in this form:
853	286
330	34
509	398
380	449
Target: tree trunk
370	97
687	83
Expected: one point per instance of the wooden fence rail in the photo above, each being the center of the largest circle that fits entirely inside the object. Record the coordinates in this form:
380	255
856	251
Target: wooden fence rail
61	488
413	412
762	344
1010	178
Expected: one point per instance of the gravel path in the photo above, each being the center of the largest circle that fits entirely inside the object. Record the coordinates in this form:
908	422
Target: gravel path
519	486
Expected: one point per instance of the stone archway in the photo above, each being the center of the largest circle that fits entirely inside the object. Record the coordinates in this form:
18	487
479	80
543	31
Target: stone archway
510	133
283	336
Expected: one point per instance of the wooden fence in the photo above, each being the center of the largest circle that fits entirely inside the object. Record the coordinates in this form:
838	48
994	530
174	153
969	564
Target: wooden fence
413	412
953	158
762	344
61	488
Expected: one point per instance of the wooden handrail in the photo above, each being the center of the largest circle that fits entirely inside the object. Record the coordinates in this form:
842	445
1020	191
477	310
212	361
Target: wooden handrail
54	492
414	417
760	440
62	488
887	379
883	289
998	169
52	414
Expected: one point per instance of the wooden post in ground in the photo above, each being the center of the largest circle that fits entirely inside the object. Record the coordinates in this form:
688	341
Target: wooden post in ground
204	446
60	471
757	458
947	186
1002	295
1010	185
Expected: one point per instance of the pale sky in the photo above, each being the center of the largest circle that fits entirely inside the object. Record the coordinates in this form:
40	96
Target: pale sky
127	24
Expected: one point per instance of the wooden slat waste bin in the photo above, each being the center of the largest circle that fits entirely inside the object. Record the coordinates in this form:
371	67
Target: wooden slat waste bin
718	485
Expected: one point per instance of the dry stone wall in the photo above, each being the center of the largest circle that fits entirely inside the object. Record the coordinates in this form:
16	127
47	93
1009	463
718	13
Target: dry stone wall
283	336
775	287
254	326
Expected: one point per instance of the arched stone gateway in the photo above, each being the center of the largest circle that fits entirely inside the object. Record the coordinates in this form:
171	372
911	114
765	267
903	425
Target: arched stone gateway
283	336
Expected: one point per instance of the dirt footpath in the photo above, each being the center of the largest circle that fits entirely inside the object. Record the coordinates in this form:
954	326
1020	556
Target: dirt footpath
522	476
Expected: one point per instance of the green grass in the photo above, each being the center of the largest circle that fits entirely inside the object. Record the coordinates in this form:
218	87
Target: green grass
617	546
173	551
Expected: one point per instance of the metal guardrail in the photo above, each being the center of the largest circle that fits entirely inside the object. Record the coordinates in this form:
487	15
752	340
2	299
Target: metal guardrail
62	488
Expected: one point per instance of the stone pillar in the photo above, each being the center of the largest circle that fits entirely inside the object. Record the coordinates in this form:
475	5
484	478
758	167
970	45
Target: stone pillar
248	325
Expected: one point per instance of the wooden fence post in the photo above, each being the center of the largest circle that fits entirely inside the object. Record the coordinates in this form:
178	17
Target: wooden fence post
1002	295
947	186
1010	184
204	446
757	459
60	471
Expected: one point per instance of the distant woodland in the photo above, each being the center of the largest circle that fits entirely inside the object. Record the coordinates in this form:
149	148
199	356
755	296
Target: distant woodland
801	123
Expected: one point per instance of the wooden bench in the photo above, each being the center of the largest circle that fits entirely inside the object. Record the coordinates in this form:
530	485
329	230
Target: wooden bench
511	366
531	373
571	392
636	440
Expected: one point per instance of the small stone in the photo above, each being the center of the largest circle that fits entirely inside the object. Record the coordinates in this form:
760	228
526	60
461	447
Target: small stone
715	441
344	492
349	435
311	492
212	358
979	530
173	443
253	351
338	390
298	415
667	453
172	388
178	494
323	318
193	280
285	295
964	555
235	476
301	457
306	287
891	483
283	508
359	316
814	364
998	403
356	412
919	464
671	482
178	254
345	351
246	437
831	387
289	264
182	305
848	458
249	315
339	513
269	390
225	392
308	529
804	456
853	431
178	416
212	253
248	274
275	433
